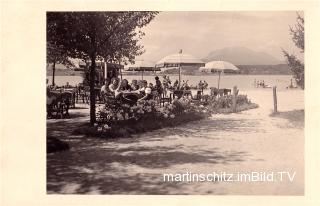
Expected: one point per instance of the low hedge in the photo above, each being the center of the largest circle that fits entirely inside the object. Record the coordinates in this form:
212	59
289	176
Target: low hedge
121	120
126	128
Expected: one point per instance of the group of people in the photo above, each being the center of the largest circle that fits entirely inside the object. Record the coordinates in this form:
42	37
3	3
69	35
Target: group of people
260	83
202	85
131	93
142	90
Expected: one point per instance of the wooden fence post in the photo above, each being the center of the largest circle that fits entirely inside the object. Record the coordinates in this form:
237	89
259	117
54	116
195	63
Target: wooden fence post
275	106
234	99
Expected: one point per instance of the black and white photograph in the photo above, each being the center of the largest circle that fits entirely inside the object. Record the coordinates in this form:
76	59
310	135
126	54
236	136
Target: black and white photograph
175	102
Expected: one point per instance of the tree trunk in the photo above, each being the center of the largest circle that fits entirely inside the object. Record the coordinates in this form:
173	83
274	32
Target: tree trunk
92	91
53	72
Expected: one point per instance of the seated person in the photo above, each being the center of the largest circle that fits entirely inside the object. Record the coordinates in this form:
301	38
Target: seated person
151	86
134	85
114	86
147	94
125	86
144	85
105	91
67	85
185	85
165	82
176	84
51	99
125	93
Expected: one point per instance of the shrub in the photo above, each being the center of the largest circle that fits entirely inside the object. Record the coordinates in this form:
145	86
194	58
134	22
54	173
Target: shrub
225	102
122	120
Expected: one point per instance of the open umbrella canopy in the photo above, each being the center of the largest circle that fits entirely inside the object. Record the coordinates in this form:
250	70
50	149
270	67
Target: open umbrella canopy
219	66
141	65
179	59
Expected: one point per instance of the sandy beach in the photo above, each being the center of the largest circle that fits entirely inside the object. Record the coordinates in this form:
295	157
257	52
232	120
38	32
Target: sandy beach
249	141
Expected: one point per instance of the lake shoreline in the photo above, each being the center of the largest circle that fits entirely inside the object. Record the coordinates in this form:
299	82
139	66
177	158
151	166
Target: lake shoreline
243	82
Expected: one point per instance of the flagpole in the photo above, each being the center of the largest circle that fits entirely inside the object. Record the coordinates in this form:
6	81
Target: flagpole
180	52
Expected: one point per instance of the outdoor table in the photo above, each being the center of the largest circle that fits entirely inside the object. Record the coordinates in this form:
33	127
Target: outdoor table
181	93
128	94
130	97
70	93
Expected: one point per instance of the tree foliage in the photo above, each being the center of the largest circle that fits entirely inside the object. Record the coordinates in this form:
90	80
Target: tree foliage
296	65
112	36
297	32
56	54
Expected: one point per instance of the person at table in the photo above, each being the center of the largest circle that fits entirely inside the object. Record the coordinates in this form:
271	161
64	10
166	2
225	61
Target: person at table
123	88
125	93
114	86
147	94
200	85
67	85
105	91
185	85
166	82
176	84
51	98
205	85
134	85
150	85
143	86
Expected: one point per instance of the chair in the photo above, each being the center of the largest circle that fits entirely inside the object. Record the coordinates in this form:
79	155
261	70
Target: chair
164	98
60	105
83	94
177	93
72	92
198	95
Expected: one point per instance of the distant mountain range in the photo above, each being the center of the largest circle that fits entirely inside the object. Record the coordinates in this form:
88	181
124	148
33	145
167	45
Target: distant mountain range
242	56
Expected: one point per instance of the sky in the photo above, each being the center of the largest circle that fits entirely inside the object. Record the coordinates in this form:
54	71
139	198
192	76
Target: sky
199	33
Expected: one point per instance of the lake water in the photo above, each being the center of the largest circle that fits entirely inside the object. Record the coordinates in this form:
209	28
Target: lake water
226	81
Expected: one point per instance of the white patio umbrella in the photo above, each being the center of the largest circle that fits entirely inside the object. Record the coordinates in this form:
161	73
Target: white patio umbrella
142	65
220	67
179	60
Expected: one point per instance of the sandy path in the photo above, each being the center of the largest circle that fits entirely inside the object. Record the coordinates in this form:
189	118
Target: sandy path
243	142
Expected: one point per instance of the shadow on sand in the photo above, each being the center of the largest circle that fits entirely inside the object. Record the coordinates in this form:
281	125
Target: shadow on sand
294	117
120	166
109	170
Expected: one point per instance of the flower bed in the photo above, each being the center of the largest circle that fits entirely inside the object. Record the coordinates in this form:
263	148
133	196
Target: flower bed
224	104
122	120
